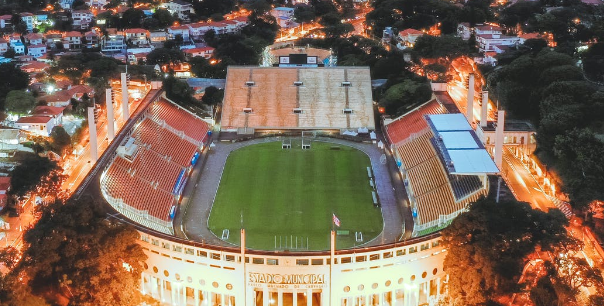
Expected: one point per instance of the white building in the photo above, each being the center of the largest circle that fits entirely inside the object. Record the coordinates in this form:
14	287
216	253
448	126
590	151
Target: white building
40	125
96	3
3	46
137	36
180	8
34	38
5	21
72	40
28	18
66	4
486	42
37	50
113	42
284	16
81	19
181	30
408	37
205	52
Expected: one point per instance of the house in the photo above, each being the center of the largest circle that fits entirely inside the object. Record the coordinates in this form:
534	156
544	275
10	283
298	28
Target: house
3	45
56	113
113	41
198	30
19	47
24	58
137	36
72	40
81	19
464	30
37	50
526	36
60	98
182	30
34	38
78	91
92	39
486	42
4	189
5	21
482	29
34	67
205	52
40	125
66	4
96	3
158	37
135	58
181	8
28	18
284	16
408	37
52	38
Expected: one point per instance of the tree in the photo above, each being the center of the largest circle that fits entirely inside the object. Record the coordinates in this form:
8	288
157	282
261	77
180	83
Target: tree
304	13
205	9
132	18
161	56
593	62
163	17
447	47
259	7
60	139
487	245
574	272
402	97
212	96
178	91
66	252
19	102
11	78
28	173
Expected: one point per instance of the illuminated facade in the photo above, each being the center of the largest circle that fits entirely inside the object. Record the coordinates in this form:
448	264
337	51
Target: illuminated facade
189	273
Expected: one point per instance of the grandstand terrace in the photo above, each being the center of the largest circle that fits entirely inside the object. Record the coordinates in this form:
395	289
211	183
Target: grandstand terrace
436	196
285	98
144	180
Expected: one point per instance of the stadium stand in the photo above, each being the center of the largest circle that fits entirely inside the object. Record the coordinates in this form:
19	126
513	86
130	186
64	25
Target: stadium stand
412	122
297	98
436	196
141	185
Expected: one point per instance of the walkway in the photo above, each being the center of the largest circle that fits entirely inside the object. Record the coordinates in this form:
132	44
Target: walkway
194	221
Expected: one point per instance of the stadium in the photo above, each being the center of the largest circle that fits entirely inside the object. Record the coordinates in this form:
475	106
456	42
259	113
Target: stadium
294	196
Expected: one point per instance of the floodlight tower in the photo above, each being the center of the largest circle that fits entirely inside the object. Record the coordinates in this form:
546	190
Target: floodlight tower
94	155
110	119
484	109
470	100
125	109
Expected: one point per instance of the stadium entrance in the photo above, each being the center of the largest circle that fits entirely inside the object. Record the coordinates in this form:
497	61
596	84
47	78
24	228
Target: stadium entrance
288	297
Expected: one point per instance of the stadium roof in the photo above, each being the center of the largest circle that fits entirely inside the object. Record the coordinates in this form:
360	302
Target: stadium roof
297	98
458	145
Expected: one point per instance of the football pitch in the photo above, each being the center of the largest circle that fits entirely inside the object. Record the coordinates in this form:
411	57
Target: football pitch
285	197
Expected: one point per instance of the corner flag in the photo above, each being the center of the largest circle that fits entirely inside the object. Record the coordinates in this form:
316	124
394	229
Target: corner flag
336	221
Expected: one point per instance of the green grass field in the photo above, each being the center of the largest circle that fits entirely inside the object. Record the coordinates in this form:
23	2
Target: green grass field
292	193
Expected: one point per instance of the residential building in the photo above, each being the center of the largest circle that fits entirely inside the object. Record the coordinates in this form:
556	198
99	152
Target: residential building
52	38
72	40
486	42
66	4
482	29
81	19
60	98
92	39
18	46
158	37
34	67
284	16
40	125
3	45
54	112
34	38
10	136
96	3
526	36
113	41
137	36
28	19
408	37
181	8
182	30
205	52
198	30
78	91
5	21
37	50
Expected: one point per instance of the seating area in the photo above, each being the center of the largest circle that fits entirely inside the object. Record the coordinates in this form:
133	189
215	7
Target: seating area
417	150
464	185
137	192
413	122
167	144
179	120
272	98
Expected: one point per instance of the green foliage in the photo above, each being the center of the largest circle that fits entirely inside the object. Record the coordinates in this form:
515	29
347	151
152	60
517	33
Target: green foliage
205	9
132	18
212	96
178	91
19	102
75	250
163	17
28	173
161	56
486	246
544	294
402	97
11	78
304	13
60	139
74	66
445	46
593	62
201	68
